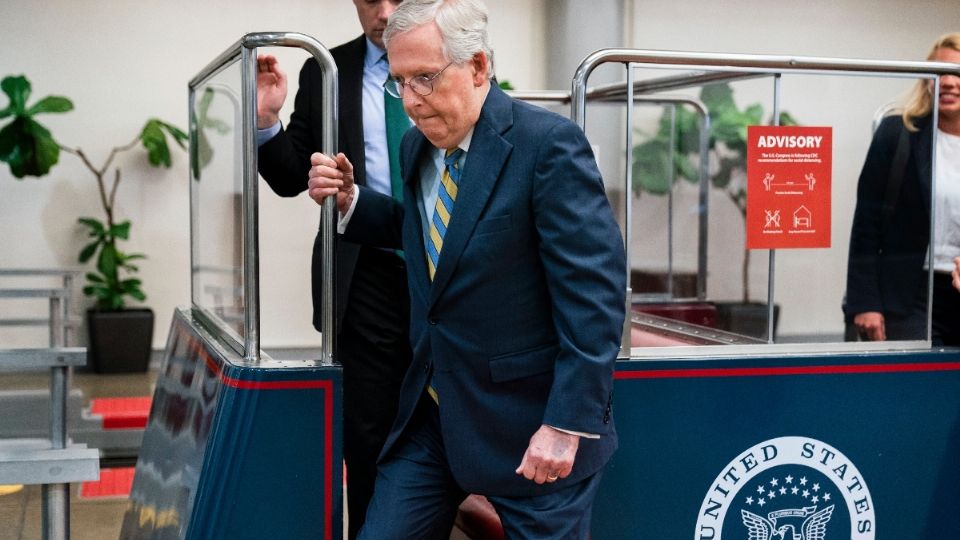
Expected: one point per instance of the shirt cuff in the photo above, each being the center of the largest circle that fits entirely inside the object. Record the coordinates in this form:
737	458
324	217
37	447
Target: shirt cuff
345	217
578	433
264	135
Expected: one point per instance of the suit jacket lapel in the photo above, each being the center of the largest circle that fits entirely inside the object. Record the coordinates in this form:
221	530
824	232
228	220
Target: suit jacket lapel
481	170
415	251
921	148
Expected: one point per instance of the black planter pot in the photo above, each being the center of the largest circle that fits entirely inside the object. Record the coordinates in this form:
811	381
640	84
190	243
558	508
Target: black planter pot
119	340
746	319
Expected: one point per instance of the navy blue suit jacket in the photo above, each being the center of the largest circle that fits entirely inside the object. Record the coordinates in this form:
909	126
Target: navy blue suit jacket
885	265
521	325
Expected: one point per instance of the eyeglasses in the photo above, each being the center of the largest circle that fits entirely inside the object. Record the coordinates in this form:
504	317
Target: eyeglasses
421	84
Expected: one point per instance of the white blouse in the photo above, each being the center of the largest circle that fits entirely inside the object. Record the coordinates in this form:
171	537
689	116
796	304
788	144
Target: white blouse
946	227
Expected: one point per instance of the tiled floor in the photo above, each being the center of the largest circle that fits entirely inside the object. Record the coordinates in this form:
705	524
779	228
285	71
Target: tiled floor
90	519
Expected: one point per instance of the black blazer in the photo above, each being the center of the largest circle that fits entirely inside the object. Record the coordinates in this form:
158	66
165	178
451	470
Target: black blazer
885	265
284	161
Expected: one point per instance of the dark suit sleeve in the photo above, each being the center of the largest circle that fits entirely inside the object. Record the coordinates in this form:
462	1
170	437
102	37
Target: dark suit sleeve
585	270
863	280
376	221
284	160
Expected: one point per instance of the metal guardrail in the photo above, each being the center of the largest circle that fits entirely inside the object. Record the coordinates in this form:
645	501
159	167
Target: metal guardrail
53	463
60	321
688	333
711	67
244	52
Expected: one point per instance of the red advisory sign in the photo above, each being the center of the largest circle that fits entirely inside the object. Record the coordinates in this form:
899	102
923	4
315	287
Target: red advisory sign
788	186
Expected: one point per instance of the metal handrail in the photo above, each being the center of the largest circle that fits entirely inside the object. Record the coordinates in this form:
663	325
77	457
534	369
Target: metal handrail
736	66
59	320
744	63
20	360
617	91
243	51
750	63
55	498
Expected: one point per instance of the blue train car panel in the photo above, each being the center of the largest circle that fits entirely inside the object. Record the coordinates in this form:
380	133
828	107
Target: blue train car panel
845	447
237	452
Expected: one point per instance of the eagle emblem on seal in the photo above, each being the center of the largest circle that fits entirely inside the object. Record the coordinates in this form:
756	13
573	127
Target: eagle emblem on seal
788	524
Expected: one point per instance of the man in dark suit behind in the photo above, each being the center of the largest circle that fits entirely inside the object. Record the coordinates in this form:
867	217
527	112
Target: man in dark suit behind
516	287
371	295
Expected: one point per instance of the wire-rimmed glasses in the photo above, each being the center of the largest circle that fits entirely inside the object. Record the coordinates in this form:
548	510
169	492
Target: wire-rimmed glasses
421	84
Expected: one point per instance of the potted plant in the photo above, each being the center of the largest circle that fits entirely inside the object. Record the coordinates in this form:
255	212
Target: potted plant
727	149
119	336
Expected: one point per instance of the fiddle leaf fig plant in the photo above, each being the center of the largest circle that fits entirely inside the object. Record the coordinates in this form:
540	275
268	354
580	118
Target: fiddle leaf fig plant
30	150
727	148
25	144
202	152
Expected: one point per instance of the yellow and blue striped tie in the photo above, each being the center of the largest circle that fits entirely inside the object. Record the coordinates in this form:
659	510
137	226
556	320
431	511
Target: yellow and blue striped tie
446	197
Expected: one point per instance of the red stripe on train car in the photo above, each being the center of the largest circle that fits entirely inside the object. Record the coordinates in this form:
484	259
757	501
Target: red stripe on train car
788	370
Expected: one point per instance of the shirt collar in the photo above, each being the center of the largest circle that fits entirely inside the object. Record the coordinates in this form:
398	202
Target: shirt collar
465	143
373	55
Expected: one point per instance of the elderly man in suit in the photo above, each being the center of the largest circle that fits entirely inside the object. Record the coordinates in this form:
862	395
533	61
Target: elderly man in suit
370	289
516	273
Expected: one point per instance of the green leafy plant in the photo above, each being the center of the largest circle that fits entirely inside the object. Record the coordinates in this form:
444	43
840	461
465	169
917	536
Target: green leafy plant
727	146
30	150
25	144
202	152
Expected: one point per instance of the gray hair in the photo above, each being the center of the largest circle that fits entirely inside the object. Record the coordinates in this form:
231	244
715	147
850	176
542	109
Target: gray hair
462	24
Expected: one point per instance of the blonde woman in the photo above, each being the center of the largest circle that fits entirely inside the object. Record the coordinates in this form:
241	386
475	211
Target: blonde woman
887	268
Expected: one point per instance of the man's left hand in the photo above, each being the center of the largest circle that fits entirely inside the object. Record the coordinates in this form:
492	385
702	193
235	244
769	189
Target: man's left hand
549	456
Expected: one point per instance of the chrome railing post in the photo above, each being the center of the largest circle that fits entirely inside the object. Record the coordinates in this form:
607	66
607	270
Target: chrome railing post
772	259
628	218
251	235
55	505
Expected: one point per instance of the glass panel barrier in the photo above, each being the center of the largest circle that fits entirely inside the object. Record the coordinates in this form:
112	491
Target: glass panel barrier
755	301
225	286
216	180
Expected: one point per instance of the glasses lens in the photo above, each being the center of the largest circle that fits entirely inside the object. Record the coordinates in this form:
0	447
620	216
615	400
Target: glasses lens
421	85
393	88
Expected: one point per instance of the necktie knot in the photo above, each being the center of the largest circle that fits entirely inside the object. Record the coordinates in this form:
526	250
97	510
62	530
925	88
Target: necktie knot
451	163
452	157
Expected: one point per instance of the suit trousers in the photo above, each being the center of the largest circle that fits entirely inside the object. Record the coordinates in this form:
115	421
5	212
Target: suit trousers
373	347
417	497
946	311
